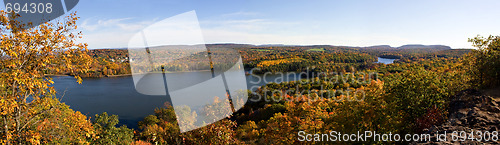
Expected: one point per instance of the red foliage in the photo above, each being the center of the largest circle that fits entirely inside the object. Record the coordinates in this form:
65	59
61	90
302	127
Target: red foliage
433	116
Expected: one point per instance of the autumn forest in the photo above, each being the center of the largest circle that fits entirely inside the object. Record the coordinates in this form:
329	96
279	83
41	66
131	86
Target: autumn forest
410	96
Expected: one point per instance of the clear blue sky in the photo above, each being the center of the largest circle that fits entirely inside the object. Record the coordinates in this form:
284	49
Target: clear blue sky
111	23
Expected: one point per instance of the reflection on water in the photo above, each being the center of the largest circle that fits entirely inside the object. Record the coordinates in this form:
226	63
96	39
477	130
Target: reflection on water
385	60
117	95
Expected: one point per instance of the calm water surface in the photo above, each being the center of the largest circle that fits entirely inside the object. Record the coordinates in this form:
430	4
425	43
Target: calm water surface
385	60
117	95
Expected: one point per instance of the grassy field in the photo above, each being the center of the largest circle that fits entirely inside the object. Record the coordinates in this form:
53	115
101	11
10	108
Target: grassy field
317	49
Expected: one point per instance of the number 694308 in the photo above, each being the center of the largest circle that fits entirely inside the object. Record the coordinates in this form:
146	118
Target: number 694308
28	7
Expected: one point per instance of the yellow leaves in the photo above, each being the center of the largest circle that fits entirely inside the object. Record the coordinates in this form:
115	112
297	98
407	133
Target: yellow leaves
267	63
35	137
7	106
29	53
78	79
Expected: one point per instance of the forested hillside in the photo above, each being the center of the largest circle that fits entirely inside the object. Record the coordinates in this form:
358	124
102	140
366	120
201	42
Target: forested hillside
412	95
321	58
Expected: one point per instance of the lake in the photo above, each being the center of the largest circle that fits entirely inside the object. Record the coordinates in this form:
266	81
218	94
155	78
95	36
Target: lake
117	95
385	60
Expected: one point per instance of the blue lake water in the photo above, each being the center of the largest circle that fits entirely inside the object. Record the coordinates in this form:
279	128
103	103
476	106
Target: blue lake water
385	60
117	95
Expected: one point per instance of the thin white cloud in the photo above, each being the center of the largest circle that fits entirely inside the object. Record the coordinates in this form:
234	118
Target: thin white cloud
136	26
110	33
124	24
91	25
107	39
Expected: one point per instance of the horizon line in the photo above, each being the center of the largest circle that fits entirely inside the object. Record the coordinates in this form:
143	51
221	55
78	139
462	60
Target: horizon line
284	45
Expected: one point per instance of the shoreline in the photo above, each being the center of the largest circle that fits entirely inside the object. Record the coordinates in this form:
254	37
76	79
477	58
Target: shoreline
121	75
55	75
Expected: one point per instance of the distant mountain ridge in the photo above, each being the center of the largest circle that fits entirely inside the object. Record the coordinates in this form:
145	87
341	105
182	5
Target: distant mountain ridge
408	46
411	46
417	46
236	45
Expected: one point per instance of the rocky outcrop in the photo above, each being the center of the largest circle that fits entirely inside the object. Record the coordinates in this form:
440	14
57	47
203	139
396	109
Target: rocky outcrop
469	110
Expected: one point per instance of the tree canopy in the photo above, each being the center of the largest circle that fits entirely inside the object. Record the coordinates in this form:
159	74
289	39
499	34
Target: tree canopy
26	95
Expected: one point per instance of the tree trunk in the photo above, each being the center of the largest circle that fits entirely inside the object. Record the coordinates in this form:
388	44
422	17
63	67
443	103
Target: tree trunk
6	130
